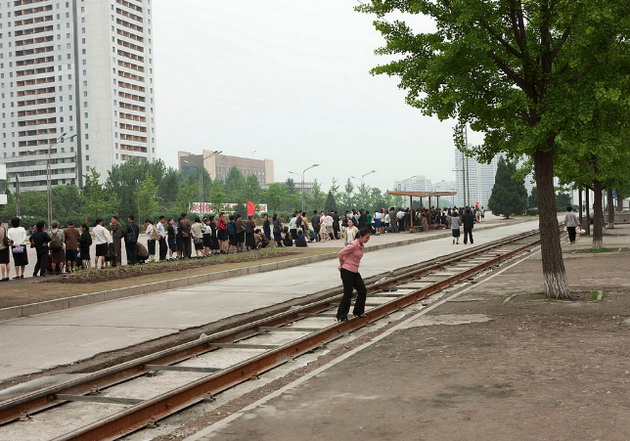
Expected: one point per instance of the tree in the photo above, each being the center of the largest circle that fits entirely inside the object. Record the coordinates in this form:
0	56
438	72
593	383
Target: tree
217	195
235	187
253	191
522	72
147	198
95	200
563	200
275	196
509	196
66	203
346	199
331	203
533	198
316	198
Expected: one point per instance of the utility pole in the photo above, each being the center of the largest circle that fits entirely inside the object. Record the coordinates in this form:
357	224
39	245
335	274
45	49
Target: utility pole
17	196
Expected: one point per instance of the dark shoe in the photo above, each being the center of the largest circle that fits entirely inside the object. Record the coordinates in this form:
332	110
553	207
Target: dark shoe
359	315
34	274
342	319
43	275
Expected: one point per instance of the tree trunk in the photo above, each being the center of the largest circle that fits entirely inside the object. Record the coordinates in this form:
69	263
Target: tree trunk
556	284
619	201
598	216
611	209
588	212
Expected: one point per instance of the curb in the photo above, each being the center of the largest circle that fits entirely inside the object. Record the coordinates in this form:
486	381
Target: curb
48	306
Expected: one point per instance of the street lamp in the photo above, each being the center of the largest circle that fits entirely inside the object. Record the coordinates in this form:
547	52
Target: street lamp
303	172
362	188
203	168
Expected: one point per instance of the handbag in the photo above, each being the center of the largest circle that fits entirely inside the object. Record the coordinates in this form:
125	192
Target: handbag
18	249
198	240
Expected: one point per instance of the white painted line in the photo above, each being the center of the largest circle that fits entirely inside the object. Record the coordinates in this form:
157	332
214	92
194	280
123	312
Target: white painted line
224	422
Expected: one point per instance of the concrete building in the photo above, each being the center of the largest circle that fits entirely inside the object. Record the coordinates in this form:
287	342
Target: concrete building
218	165
474	180
415	183
76	87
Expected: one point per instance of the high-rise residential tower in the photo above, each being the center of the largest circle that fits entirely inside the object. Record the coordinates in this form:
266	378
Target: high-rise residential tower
474	180
76	88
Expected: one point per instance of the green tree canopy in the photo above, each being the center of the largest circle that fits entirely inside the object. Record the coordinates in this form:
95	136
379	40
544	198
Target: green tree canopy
525	73
509	196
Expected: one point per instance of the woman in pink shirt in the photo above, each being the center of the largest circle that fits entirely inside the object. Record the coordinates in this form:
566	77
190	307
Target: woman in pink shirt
349	260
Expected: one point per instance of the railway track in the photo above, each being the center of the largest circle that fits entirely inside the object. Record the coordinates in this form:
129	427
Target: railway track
113	402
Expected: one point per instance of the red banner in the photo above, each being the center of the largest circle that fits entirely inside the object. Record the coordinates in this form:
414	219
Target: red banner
251	208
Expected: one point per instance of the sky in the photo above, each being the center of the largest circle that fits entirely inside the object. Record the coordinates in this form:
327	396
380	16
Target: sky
289	80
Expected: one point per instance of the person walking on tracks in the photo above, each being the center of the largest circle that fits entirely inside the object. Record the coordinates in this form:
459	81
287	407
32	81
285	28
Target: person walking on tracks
468	220
349	260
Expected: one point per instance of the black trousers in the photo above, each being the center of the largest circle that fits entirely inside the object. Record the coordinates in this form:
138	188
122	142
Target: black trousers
163	248
132	252
571	231
467	234
351	281
42	261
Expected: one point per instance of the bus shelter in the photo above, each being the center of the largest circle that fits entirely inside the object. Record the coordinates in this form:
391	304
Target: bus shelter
421	195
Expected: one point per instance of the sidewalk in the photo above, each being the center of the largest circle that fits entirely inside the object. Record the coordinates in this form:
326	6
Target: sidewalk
30	345
498	362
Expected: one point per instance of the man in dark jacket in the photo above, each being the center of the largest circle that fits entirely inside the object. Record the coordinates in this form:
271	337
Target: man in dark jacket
131	238
315	223
117	235
40	239
468	219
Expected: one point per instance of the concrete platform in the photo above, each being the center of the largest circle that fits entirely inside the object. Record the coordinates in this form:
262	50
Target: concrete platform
34	344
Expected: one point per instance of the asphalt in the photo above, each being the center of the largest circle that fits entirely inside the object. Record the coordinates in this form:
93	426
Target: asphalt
35	344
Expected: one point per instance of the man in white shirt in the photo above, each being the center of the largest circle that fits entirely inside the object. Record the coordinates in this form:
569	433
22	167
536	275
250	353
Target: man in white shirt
161	227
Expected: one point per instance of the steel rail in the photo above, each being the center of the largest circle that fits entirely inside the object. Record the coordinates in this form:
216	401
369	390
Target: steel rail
89	383
159	407
52	396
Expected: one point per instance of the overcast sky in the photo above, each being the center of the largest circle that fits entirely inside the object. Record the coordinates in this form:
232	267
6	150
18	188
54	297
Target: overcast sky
288	80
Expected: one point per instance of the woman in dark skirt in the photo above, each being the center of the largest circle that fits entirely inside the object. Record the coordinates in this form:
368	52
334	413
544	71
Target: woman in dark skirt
267	227
240	233
214	237
277	230
250	226
207	236
5	256
456	222
85	241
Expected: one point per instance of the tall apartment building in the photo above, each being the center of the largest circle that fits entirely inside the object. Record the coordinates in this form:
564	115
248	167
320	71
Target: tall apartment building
218	165
474	180
415	183
76	87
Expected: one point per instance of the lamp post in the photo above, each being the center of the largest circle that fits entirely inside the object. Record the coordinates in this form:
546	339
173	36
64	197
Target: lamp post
303	172
362	188
203	168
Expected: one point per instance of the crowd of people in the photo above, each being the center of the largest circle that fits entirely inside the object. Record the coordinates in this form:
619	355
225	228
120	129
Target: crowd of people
63	250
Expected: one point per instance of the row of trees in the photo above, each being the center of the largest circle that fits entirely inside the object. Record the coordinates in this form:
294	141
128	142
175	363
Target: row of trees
545	81
509	196
150	189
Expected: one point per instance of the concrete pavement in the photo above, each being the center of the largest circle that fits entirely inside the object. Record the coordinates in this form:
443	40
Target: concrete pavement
34	344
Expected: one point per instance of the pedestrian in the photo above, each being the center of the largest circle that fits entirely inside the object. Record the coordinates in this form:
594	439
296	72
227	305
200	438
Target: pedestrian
301	239
287	239
222	234
161	227
72	236
266	227
41	239
196	230
84	246
293	226
468	220
277	230
315	223
102	238
571	222
5	257
455	224
171	234
184	230
335	226
17	235
117	235
231	232
56	246
349	260
179	240
261	240
250	226
132	232
152	236
207	236
214	236
349	233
